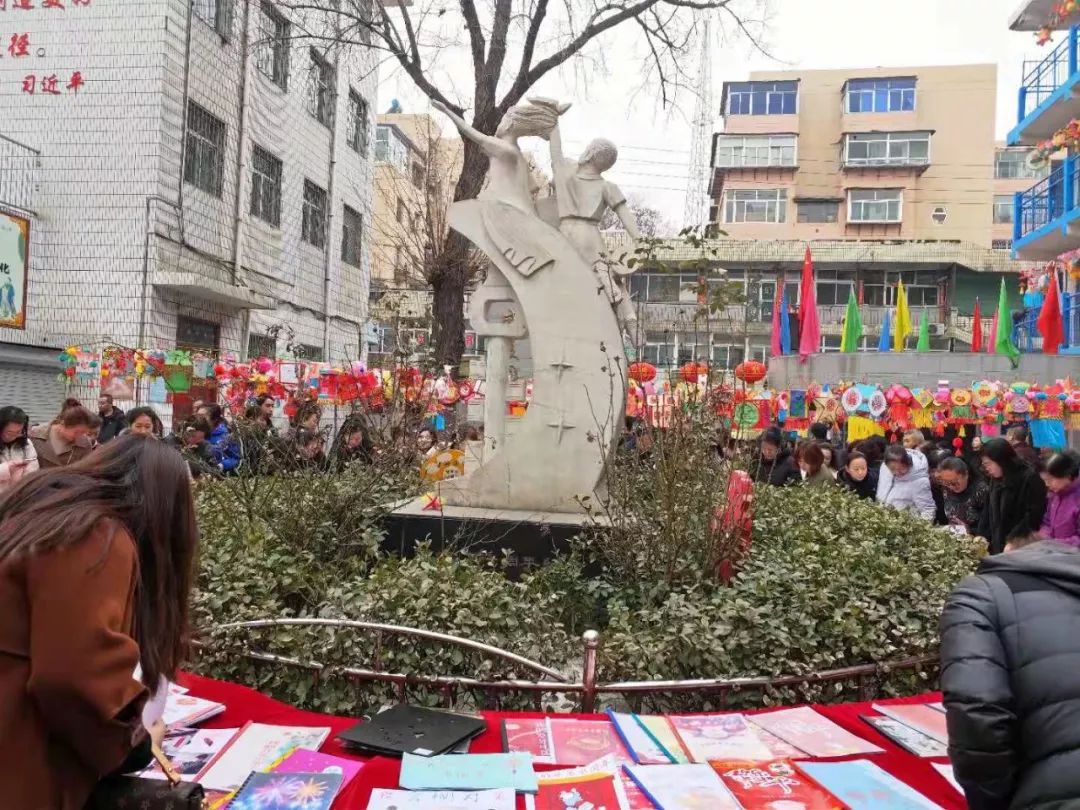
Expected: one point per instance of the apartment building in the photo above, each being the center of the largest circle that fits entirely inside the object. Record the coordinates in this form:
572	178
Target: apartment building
860	165
192	174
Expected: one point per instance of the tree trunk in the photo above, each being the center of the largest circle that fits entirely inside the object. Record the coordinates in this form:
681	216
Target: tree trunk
451	268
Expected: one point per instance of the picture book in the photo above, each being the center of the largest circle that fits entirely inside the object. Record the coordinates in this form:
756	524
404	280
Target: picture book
630	796
776	784
664	735
862	785
719	736
469	772
906	737
287	791
190	753
781	749
302	760
182	710
256	748
918	716
813	733
579	742
531	736
948	775
597	791
642	746
683	787
501	799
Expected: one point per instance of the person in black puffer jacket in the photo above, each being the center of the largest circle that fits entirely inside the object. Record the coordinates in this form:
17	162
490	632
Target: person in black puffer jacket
1010	650
776	465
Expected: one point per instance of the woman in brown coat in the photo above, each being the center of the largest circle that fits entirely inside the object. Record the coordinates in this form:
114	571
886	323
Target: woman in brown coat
64	440
95	567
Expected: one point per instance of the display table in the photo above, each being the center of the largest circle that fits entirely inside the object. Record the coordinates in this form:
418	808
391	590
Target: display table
246	705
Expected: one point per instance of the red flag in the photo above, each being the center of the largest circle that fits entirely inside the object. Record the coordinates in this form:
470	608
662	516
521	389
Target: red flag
1050	323
992	341
976	328
809	326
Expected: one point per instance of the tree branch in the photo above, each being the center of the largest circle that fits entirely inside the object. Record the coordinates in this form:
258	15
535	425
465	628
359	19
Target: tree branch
528	48
476	36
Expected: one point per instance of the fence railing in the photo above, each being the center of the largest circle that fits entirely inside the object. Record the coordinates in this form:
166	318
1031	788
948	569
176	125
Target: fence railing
1026	329
1042	78
585	689
1052	197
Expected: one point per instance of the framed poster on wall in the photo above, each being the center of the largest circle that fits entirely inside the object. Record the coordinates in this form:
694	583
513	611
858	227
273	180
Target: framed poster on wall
14	269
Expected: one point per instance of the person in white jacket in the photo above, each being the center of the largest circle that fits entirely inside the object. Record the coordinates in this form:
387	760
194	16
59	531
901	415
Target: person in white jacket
905	482
17	454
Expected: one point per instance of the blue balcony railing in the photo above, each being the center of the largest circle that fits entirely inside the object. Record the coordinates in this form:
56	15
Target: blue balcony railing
1051	198
1043	78
1026	330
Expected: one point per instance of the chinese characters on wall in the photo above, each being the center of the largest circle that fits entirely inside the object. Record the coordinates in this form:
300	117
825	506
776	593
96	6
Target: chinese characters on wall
20	46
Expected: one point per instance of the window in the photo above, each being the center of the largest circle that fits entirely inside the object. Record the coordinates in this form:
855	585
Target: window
265	186
880	95
659	348
261	346
887	149
390	147
352	236
400	213
320	101
215	13
726	356
204	160
313	227
875	204
755	205
817	211
833	286
306	351
357	135
272	57
735	151
418	174
1003	209
762	98
1012	164
193	334
921	288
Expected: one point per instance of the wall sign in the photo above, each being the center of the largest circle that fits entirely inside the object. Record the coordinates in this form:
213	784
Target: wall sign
14	269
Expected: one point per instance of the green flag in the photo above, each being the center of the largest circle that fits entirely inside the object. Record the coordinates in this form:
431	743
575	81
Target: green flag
924	334
849	340
1003	344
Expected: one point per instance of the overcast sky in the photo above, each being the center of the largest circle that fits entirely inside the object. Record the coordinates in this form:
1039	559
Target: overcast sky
801	34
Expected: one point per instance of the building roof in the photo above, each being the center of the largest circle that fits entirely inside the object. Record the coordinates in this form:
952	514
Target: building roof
836	254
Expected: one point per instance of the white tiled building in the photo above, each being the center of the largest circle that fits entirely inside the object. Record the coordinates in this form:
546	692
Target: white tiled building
141	236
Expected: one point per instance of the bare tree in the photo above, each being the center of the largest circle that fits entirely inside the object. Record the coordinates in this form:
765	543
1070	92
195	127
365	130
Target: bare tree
650	221
512	45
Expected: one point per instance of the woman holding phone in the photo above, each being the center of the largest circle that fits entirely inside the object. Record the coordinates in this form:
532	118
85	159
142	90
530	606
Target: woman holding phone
17	455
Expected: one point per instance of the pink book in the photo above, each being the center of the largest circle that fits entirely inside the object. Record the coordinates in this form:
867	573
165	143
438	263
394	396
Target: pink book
579	742
303	761
813	733
719	736
918	716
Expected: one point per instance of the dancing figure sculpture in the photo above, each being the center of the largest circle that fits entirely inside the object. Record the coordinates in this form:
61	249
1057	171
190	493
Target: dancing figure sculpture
539	285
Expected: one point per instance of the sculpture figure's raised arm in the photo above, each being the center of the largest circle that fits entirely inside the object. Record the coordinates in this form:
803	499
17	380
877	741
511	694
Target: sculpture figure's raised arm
628	220
492	147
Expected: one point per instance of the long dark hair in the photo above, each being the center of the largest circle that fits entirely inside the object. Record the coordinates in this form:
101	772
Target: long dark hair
12	414
143	485
1002	453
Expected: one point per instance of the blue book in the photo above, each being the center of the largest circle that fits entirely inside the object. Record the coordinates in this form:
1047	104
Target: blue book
469	772
862	785
639	741
287	791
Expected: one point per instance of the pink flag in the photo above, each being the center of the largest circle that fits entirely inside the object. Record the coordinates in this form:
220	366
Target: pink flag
809	326
775	346
992	341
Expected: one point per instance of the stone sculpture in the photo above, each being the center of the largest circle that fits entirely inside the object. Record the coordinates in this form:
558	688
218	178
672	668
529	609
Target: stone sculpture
542	285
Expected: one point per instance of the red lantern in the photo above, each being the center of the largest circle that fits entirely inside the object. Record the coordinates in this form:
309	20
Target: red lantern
751	371
691	371
642	372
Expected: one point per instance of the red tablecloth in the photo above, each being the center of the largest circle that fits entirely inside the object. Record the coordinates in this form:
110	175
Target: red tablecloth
244	705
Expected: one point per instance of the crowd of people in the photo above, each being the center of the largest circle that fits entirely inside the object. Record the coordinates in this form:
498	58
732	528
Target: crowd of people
1002	488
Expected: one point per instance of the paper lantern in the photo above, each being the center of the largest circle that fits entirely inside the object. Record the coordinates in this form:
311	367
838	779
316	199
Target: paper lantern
642	372
751	371
690	372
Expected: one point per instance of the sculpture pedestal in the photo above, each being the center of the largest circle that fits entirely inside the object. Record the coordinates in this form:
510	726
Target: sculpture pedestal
531	537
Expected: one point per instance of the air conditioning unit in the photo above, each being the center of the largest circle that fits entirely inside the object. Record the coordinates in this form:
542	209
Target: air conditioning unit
937	329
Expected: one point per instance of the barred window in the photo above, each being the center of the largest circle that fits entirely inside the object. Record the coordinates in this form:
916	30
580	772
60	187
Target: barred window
272	57
313	228
265	186
204	158
357	136
352	232
320	101
215	13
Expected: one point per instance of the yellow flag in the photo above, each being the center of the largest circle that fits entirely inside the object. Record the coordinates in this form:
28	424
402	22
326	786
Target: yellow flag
902	325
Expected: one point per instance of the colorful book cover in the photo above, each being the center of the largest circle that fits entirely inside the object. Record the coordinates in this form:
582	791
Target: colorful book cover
594	790
683	787
469	772
918	716
531	736
769	785
862	785
301	760
906	737
501	799
256	748
813	733
191	752
183	710
781	749
287	791
642	746
664	735
719	736
948	775
630	795
579	742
